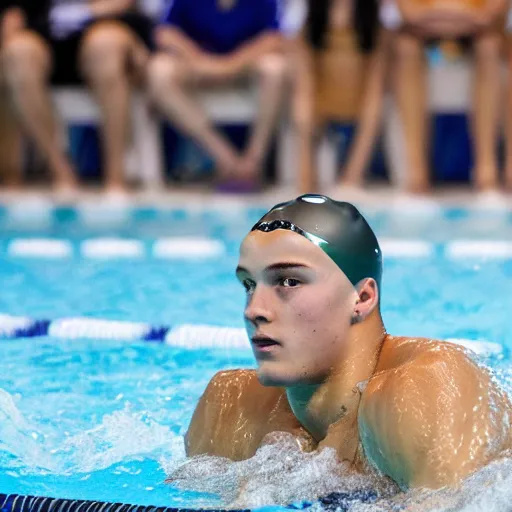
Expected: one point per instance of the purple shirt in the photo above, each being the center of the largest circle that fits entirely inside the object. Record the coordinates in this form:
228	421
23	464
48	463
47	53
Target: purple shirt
221	31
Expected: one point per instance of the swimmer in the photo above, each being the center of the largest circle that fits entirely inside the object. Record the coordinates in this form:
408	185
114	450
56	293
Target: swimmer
418	411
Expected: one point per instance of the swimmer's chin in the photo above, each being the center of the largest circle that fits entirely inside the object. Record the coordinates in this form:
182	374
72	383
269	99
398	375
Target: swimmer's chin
281	380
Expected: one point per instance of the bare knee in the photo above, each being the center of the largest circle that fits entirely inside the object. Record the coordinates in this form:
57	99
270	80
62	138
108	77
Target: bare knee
105	51
26	60
272	66
163	73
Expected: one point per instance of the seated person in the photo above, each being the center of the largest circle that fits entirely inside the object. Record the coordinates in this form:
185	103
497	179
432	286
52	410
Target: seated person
12	20
346	64
212	43
420	411
106	42
416	23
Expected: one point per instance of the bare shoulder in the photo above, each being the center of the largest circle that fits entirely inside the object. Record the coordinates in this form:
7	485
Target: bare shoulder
235	413
433	410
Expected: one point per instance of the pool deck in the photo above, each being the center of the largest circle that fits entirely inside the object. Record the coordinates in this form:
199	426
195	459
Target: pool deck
378	197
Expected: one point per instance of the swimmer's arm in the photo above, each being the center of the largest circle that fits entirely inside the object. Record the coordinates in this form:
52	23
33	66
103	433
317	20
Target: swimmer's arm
228	418
244	57
431	424
236	415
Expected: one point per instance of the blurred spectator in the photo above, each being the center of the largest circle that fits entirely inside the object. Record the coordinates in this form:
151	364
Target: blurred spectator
348	67
104	41
508	113
11	21
420	22
212	43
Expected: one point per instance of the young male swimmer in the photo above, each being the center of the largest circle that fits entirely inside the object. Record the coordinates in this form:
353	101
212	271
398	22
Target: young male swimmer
419	411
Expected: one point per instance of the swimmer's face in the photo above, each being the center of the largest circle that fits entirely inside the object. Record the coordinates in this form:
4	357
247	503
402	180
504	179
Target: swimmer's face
299	307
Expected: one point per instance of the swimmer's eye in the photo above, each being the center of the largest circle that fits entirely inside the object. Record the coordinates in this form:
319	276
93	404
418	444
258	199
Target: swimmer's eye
289	282
249	285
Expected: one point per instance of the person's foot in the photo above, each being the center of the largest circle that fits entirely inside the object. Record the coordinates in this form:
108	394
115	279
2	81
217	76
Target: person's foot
65	188
507	185
348	191
491	199
249	167
486	181
227	165
418	188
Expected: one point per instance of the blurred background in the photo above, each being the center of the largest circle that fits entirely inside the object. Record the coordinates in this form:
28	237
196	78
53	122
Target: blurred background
239	96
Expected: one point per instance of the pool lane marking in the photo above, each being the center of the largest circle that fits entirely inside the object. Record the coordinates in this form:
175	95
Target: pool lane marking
107	248
204	336
40	248
75	328
397	248
179	247
186	336
467	249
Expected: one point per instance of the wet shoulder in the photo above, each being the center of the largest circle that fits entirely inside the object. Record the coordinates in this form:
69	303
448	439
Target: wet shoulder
400	351
242	387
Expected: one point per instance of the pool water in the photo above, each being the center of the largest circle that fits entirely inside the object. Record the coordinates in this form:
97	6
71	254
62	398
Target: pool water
104	420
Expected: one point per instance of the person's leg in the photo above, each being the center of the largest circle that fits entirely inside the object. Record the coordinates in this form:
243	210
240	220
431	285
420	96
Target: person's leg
27	65
508	116
410	93
108	50
169	83
487	100
272	73
10	141
302	114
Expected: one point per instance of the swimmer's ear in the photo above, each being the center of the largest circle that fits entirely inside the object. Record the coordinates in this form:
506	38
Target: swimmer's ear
368	299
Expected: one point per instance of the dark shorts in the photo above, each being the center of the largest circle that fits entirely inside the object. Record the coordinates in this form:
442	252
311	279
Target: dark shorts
65	52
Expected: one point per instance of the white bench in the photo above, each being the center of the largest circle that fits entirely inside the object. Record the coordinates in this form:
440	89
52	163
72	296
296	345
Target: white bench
146	154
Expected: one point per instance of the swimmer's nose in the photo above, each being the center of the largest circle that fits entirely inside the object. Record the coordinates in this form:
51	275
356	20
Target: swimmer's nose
258	310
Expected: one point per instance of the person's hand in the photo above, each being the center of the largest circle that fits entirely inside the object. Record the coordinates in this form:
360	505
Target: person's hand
448	23
215	68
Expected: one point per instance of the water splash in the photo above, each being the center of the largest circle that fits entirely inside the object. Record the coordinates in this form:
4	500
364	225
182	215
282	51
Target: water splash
121	436
280	474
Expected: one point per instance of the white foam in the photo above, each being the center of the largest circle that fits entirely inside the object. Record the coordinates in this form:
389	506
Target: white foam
112	248
121	436
10	324
492	249
75	328
396	248
187	247
40	248
203	336
484	348
279	474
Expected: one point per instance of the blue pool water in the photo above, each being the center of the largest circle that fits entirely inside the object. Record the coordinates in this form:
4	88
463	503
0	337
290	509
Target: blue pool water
104	420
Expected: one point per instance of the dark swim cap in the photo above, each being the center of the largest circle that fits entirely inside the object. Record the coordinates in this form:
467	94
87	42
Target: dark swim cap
338	228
